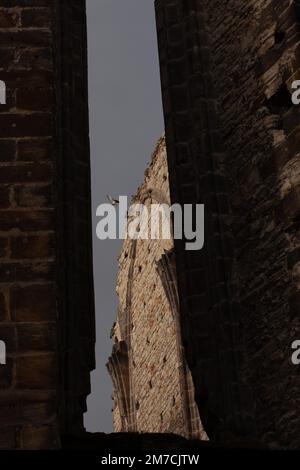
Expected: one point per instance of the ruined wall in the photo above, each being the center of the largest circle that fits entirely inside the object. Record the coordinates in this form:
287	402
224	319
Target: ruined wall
210	329
158	399
256	57
46	301
233	144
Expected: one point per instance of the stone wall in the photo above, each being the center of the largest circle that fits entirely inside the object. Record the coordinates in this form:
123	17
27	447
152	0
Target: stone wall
46	297
233	144
255	60
159	395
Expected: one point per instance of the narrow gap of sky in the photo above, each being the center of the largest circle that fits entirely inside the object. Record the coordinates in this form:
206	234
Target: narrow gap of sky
125	123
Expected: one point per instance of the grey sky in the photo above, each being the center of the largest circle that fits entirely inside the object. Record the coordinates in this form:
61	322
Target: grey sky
125	123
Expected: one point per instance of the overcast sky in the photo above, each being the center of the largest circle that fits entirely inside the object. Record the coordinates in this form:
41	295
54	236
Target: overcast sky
125	124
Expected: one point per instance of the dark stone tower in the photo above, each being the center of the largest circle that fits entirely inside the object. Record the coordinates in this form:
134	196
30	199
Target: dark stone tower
233	144
46	287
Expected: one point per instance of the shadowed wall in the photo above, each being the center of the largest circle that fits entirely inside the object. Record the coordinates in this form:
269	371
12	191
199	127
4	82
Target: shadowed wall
233	144
46	291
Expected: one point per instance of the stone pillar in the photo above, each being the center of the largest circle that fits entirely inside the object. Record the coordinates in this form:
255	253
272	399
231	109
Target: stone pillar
46	290
195	154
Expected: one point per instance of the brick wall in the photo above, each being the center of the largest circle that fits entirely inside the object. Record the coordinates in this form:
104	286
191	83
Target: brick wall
45	285
157	397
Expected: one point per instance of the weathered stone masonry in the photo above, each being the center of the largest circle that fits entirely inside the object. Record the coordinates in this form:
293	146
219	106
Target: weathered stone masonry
233	143
260	130
153	389
46	289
